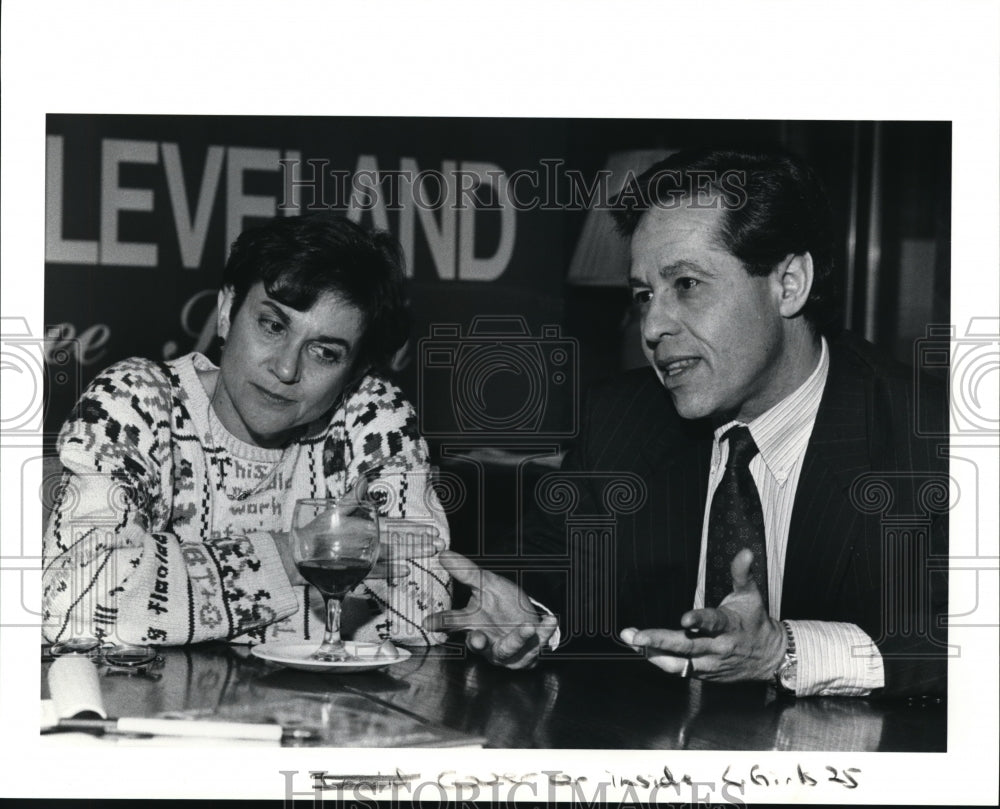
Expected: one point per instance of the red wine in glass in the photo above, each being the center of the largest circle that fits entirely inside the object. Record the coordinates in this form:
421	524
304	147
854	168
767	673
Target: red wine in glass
334	545
334	577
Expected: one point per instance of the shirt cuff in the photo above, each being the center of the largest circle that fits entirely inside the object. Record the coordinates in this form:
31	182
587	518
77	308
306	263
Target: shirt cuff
557	635
835	660
272	573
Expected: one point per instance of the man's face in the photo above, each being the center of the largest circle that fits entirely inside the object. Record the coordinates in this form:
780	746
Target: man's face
281	369
712	331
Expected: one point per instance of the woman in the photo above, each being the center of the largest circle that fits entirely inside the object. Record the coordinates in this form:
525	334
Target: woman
180	477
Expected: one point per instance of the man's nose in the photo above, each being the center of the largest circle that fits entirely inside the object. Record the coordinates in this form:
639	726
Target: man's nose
659	320
285	363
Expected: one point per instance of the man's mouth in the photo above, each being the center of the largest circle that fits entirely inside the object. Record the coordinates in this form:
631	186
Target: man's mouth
676	367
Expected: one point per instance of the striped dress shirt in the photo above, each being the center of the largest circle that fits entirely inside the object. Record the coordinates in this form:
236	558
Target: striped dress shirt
833	658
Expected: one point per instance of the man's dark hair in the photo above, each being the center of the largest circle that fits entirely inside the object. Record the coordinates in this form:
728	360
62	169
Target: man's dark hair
300	258
772	205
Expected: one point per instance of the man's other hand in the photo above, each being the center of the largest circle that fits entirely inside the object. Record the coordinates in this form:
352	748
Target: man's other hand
501	623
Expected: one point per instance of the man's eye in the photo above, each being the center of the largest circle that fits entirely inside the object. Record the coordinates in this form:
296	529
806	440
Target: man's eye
271	326
687	283
641	296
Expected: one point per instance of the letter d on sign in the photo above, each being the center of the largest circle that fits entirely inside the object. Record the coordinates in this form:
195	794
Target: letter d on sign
471	268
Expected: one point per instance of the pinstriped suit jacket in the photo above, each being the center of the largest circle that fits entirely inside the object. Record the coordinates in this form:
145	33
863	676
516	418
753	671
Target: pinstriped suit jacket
868	536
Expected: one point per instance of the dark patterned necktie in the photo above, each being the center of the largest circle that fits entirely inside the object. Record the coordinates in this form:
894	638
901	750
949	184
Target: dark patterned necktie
736	521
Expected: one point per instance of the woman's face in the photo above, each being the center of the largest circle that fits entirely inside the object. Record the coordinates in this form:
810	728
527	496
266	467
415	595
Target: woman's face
282	369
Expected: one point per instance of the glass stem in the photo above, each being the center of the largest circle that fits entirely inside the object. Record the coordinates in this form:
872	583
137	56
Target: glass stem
333	648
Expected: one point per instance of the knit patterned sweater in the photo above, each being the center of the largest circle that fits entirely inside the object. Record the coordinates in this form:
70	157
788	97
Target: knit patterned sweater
161	530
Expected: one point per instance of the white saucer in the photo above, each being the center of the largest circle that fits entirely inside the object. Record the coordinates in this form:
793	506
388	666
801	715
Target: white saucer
296	656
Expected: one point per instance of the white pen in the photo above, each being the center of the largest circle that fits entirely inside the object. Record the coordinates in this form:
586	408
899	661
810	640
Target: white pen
185	727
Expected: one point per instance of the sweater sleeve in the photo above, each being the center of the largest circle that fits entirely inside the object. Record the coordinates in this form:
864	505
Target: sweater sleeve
383	447
112	566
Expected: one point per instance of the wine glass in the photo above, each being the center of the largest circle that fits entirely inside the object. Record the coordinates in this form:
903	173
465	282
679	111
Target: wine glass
334	545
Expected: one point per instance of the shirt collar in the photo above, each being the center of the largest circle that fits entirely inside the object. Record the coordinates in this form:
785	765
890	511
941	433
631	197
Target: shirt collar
782	432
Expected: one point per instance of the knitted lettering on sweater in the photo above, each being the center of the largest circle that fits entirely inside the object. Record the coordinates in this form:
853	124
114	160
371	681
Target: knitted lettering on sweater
161	530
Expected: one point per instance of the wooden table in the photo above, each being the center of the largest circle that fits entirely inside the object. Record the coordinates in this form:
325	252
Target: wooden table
621	703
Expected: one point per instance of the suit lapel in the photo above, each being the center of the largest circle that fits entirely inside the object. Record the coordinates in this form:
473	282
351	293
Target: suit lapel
823	525
678	486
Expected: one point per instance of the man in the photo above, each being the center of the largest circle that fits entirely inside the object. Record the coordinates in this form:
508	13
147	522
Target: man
768	542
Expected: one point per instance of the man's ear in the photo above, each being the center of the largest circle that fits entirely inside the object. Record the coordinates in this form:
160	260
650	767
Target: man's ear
795	279
224	304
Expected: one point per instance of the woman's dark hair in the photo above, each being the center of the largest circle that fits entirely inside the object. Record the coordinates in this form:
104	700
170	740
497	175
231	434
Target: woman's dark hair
772	205
300	258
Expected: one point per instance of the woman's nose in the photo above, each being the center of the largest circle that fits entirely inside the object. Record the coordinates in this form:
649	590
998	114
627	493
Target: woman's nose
285	364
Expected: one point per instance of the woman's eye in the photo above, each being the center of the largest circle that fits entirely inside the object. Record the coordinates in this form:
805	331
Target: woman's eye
687	283
329	356
641	296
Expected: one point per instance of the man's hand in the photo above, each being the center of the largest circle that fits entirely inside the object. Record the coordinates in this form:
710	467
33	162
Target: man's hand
735	642
409	539
502	624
